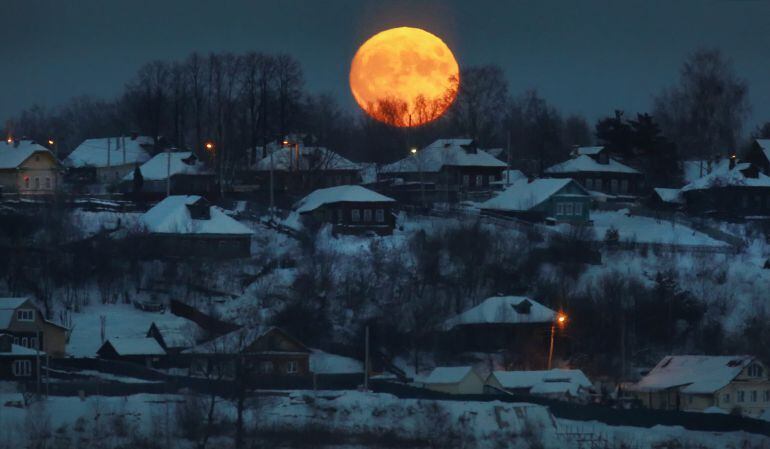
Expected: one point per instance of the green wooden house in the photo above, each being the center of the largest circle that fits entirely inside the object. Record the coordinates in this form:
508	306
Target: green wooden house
561	199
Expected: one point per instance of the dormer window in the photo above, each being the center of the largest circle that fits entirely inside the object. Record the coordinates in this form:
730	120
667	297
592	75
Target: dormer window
200	210
25	315
755	370
523	307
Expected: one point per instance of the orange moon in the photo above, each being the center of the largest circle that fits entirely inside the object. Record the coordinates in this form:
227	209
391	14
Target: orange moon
404	77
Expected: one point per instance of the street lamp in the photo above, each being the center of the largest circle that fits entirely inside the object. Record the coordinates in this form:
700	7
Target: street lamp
561	320
419	168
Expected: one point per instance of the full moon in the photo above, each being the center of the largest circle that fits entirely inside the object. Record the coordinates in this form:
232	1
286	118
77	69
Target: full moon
404	77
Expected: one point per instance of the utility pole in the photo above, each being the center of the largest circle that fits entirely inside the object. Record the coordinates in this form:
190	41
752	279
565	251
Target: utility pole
109	155
366	360
272	187
168	172
550	347
508	150
123	144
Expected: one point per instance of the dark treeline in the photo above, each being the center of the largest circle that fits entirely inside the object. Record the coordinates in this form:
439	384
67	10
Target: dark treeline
244	101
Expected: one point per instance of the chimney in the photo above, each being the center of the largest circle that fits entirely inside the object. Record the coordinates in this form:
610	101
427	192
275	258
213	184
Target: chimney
134	135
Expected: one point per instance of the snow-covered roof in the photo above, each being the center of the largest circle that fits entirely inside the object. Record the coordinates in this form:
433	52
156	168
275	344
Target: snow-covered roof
175	336
696	169
503	310
93	152
339	194
310	158
669	195
11	156
7	307
448	374
531	379
585	163
589	151
523	195
697	374
764	145
444	152
17	350
182	163
172	216
136	346
722	176
325	363
237	341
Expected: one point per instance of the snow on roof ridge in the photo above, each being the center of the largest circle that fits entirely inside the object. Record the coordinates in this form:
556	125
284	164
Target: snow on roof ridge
503	310
93	152
136	346
694	373
529	379
585	163
171	216
449	152
339	194
11	156
523	195
157	167
448	374
722	176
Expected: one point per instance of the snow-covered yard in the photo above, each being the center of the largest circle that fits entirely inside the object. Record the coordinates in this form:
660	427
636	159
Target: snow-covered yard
643	229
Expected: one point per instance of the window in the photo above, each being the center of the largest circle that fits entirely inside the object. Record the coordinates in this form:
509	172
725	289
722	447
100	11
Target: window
25	342
598	184
726	398
614	185
266	367
22	368
367	215
37	183
466	180
741	396
47	183
355	215
559	208
479	180
624	186
767	395
33	342
755	370
753	395
26	182
291	367
380	214
589	184
579	209
339	215
37	158
568	209
16	340
25	315
491	179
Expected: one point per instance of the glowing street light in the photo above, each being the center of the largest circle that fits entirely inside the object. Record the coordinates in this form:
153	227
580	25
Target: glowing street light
209	146
9	140
413	151
561	320
51	142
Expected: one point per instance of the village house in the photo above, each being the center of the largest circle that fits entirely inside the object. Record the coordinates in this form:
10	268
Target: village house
27	168
759	155
443	171
18	362
454	380
594	169
188	176
298	169
107	160
350	209
188	225
267	353
666	198
144	351
735	190
513	323
561	200
173	339
702	383
561	384
20	318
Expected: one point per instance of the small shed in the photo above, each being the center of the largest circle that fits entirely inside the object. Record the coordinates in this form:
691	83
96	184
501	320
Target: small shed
454	380
172	339
145	350
351	209
563	384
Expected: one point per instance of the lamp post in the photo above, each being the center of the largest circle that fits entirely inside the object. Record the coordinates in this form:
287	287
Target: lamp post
211	148
419	168
561	320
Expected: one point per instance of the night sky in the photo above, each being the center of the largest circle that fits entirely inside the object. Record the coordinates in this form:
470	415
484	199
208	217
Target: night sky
584	56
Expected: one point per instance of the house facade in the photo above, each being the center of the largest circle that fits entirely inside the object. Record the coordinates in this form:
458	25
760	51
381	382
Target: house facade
144	351
180	171
736	190
17	362
20	318
27	168
563	200
727	384
350	209
596	171
189	226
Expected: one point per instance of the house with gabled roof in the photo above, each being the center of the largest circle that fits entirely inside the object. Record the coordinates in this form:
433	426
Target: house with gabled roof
183	170
540	199
28	168
454	380
447	167
732	189
698	383
18	362
23	320
595	170
350	209
562	384
107	160
759	155
189	225
143	350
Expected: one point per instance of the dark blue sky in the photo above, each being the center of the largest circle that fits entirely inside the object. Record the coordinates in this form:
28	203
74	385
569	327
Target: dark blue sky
585	56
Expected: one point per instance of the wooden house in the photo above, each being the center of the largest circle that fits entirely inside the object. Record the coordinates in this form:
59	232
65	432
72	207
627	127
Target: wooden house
443	171
732	190
759	155
562	384
596	171
107	160
188	225
18	362
173	339
703	383
27	168
266	352
350	209
181	171
20	318
540	199
454	380
144	351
